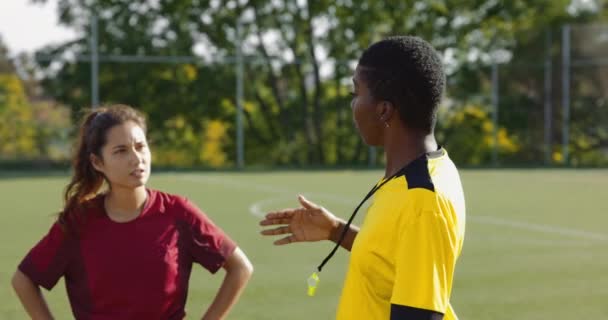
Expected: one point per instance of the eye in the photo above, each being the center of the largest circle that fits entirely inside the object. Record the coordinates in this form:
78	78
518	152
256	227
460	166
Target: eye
119	151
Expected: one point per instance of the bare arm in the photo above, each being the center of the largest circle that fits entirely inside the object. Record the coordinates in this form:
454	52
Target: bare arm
349	238
310	222
31	297
238	272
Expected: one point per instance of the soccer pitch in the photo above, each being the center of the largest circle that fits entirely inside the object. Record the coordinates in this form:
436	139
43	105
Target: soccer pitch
536	245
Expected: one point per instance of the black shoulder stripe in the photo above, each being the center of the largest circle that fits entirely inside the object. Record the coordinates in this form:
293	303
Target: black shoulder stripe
417	175
399	312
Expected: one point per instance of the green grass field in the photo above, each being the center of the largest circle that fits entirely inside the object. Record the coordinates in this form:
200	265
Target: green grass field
536	244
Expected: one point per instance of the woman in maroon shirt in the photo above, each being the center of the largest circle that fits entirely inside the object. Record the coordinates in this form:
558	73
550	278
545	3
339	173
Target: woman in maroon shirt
126	253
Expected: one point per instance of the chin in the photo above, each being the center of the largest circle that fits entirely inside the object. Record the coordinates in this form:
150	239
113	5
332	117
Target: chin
142	182
137	184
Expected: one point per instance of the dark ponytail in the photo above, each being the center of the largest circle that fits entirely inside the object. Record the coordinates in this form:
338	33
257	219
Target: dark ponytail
86	181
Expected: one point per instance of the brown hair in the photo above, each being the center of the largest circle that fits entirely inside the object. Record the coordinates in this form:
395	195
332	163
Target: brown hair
92	136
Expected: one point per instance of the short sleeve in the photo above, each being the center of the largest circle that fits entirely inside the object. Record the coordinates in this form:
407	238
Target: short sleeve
48	260
425	259
209	246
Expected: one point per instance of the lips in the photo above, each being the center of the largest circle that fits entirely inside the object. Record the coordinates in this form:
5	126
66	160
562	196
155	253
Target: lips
138	173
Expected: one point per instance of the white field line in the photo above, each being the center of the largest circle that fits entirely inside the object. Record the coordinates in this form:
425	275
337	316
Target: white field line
541	228
281	194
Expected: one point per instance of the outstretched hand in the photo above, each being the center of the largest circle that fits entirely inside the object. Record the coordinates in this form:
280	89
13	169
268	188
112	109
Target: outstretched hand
310	222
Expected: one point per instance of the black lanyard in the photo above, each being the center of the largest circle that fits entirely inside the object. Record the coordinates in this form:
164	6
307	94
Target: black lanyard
352	217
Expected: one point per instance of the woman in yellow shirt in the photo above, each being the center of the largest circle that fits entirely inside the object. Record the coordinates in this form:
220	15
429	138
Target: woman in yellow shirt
403	257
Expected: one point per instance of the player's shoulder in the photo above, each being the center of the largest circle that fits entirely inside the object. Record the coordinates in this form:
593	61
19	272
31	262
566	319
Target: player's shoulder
168	202
162	196
417	185
415	177
176	205
430	172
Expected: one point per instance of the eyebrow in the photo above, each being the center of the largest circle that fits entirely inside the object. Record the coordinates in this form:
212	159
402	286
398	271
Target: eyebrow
124	145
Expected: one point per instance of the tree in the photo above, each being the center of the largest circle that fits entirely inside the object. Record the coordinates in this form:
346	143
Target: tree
17	133
6	66
28	130
296	113
522	95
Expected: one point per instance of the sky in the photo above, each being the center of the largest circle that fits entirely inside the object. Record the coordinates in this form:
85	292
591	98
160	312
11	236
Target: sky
25	27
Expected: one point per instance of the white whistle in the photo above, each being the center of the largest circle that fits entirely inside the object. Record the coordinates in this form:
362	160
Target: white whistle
312	281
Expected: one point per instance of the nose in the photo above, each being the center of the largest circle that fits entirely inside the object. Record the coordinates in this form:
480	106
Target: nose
135	157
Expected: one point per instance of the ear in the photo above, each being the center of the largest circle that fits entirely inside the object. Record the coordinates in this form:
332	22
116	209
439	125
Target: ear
96	162
385	110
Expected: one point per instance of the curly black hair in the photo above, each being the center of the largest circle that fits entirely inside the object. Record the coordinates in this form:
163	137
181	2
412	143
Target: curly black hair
408	72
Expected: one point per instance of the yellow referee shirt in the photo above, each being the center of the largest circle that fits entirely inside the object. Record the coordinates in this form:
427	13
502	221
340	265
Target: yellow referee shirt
408	244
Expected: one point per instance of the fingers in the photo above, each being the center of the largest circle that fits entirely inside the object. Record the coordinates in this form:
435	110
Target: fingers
278	217
287	240
307	204
281	214
276	231
274	222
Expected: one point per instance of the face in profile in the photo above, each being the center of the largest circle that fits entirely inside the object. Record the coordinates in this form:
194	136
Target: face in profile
365	111
125	158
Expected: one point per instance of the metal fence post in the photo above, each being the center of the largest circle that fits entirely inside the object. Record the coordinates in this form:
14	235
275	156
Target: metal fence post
240	162
565	92
495	102
94	63
372	156
548	114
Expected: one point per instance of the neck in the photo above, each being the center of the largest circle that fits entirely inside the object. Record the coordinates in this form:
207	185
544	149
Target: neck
125	204
403	146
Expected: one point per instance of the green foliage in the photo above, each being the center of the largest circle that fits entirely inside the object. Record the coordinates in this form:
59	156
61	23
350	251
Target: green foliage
53	127
468	134
212	153
30	130
293	113
17	130
6	65
179	144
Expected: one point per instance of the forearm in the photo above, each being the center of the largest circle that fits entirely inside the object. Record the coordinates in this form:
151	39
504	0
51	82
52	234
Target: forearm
234	282
349	238
31	297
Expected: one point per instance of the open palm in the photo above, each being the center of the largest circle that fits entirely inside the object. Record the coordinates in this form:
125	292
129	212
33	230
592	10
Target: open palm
310	222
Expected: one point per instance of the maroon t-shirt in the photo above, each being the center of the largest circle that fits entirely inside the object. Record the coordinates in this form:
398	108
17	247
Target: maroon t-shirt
134	270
